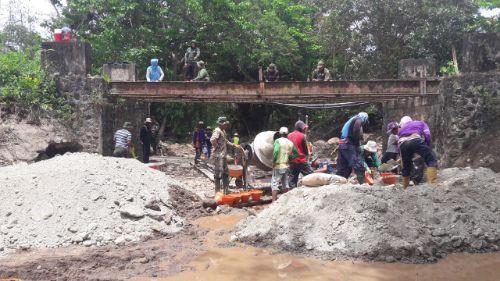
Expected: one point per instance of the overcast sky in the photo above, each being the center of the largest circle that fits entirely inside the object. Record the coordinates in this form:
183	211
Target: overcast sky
43	10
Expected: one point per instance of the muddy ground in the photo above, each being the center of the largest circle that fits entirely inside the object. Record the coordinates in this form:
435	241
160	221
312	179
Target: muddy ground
202	251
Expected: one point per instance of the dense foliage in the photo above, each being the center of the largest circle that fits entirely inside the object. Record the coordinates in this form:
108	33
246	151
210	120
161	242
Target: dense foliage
23	81
358	39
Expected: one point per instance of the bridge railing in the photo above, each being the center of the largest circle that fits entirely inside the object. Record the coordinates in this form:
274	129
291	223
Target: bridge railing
283	91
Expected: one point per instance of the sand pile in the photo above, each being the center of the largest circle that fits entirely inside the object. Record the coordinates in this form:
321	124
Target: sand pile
83	199
419	224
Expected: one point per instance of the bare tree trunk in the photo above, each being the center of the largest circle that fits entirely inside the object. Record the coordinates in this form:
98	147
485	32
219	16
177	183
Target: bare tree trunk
161	132
455	62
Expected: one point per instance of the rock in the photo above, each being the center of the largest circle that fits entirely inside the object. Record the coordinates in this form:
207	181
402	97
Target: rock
132	211
167	218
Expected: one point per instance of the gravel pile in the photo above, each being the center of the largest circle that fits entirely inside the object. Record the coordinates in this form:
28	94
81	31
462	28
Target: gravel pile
416	225
83	199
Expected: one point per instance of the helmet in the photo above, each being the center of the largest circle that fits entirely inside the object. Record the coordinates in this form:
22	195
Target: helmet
405	120
321	62
392	126
154	62
272	65
201	63
363	116
236	134
194	41
283	130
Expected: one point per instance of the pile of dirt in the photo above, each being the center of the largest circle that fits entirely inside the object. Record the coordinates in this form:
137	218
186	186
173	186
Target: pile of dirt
83	199
419	224
187	204
25	134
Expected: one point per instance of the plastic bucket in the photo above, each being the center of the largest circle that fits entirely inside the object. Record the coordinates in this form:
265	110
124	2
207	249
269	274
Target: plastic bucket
57	35
256	194
245	196
235	171
389	178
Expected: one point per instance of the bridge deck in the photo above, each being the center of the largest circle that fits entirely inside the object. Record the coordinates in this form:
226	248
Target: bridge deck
275	92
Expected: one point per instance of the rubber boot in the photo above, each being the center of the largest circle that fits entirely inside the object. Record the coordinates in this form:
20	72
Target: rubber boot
217	184
406	182
431	174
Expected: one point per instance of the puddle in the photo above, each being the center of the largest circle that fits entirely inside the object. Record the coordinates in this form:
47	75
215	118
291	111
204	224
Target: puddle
246	263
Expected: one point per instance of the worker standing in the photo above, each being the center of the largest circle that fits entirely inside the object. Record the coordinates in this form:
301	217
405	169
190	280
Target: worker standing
369	157
198	141
220	143
321	73
283	152
208	144
348	152
190	60
392	150
415	137
154	73
299	165
146	136
123	141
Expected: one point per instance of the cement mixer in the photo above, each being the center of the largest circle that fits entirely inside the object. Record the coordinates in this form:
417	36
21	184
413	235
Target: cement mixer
260	152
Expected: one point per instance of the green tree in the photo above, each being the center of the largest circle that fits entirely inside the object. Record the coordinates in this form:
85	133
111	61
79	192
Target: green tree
366	39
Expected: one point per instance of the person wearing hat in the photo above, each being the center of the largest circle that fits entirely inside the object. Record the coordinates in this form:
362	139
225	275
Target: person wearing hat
348	158
202	73
123	141
199	140
190	60
220	143
321	165
271	74
208	144
392	150
146	135
299	165
283	152
321	73
154	73
369	157
415	137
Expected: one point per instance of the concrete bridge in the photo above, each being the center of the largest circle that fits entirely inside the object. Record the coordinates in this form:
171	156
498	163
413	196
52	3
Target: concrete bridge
293	92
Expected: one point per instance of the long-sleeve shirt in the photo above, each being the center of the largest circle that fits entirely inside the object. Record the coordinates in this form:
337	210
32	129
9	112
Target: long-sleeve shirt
220	142
319	75
415	128
154	74
199	138
374	158
145	135
192	54
283	151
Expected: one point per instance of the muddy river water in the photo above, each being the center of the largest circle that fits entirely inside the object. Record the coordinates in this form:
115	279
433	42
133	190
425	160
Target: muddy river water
242	263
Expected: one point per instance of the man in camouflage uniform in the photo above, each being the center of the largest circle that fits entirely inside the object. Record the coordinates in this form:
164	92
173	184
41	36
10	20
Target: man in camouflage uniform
191	59
220	143
321	73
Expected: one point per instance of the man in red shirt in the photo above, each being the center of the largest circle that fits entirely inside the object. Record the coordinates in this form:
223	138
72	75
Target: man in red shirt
299	165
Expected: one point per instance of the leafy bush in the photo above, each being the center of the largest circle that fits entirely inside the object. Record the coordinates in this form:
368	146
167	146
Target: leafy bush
23	81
